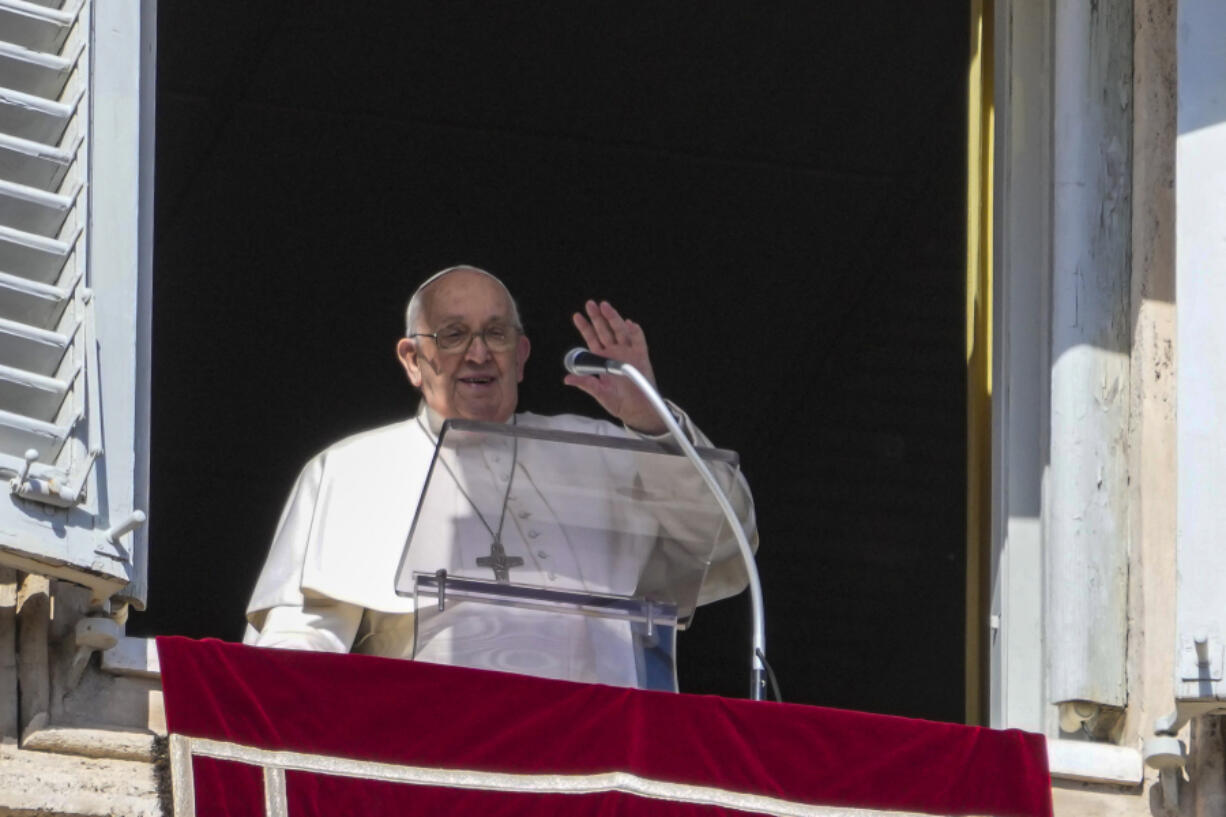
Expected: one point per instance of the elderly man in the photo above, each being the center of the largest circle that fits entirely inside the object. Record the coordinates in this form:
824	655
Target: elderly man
327	582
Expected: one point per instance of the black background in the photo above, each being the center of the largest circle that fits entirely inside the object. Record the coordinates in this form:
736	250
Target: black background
774	191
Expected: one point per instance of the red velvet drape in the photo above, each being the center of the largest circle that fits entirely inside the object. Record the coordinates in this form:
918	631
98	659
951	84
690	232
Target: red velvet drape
423	715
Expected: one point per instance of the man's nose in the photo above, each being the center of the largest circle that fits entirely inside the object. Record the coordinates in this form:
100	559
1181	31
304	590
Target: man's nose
478	351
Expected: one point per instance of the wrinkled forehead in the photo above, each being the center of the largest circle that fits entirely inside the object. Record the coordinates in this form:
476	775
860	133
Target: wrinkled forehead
465	293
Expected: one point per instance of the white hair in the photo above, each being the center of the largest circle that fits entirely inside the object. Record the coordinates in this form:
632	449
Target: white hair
413	311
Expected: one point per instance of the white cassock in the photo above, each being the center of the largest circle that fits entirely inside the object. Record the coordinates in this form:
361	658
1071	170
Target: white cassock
328	582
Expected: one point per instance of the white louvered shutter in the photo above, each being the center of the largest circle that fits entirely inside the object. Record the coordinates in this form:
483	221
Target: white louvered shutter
73	270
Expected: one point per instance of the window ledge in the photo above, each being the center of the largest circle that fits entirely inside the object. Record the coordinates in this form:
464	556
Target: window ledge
47	783
133	657
117	744
1095	762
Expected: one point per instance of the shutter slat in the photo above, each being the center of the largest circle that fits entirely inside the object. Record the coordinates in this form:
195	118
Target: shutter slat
32	256
32	210
18	434
51	4
31	117
34	26
33	72
33	395
35	164
31	302
31	348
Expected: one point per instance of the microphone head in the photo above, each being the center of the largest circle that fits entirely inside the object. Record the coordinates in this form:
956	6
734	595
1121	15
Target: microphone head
581	361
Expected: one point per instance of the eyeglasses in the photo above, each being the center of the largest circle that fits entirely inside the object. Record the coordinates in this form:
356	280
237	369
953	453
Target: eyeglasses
498	337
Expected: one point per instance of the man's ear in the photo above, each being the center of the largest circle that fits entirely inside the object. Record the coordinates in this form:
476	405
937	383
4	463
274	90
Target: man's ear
522	348
406	353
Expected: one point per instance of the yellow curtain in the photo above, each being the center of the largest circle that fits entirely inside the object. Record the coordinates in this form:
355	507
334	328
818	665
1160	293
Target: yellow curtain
978	355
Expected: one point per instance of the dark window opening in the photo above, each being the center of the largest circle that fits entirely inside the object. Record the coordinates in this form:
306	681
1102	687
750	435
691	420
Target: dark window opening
776	195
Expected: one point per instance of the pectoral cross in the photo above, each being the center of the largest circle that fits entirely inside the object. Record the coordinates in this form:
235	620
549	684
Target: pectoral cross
500	562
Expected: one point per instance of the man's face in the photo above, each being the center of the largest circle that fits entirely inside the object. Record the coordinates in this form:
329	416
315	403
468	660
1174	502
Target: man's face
472	383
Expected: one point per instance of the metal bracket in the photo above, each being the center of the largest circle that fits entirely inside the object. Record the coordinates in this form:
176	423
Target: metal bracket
51	491
1200	657
93	633
1168	755
1185	710
111	546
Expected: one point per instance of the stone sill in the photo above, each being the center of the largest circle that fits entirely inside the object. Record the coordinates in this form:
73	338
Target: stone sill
55	784
1095	763
136	657
115	744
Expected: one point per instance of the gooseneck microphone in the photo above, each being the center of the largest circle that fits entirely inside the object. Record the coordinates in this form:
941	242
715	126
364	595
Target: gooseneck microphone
581	361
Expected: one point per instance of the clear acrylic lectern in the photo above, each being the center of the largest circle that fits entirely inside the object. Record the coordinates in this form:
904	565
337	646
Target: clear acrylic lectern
561	554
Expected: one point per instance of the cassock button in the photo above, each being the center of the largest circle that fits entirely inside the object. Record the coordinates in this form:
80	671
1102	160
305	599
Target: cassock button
532	534
525	514
542	554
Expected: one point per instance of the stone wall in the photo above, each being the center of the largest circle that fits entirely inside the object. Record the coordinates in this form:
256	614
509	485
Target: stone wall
81	740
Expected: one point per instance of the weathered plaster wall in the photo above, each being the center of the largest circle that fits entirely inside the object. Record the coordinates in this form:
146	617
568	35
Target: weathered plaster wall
1151	614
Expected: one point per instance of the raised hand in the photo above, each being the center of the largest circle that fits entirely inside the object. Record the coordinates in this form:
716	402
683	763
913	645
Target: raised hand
607	333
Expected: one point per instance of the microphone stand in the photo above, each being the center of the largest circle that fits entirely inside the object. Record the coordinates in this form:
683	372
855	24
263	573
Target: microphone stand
757	674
